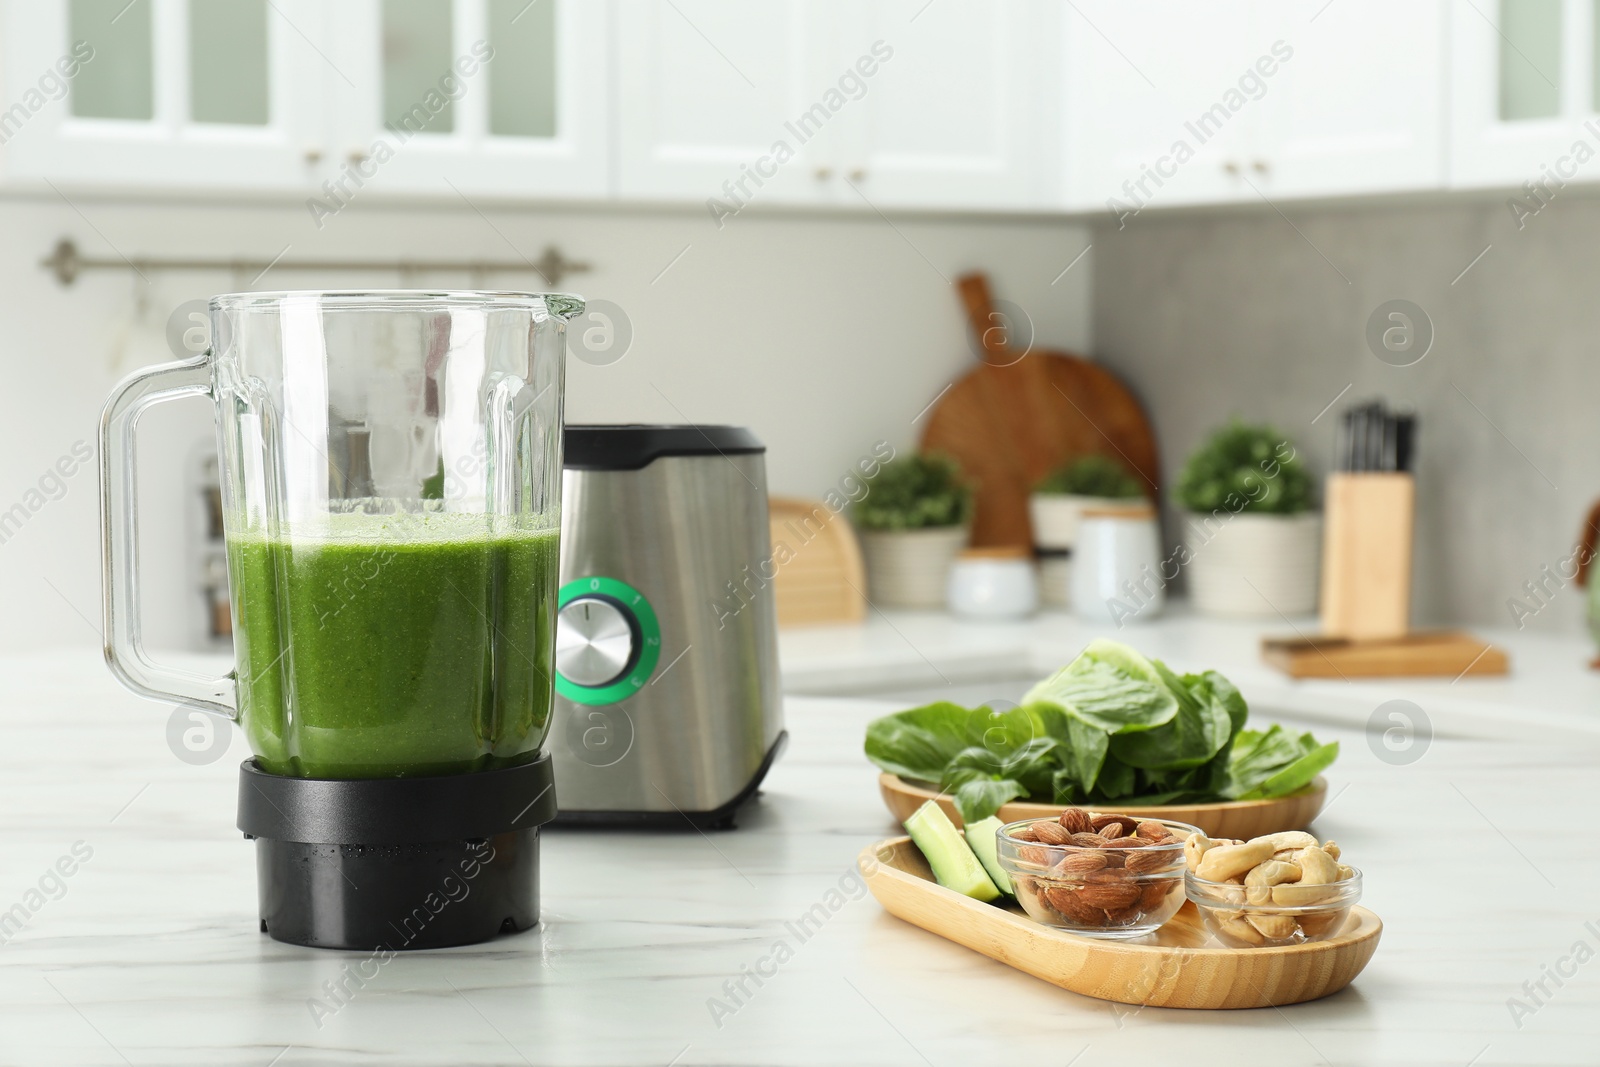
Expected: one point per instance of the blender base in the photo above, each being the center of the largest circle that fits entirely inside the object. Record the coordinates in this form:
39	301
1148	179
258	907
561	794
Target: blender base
396	863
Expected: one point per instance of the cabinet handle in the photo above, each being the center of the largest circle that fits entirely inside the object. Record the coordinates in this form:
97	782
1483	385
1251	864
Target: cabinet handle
313	154
824	173
357	156
1231	167
1261	167
859	174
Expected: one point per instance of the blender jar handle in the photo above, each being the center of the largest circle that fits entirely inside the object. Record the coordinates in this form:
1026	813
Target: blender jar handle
124	644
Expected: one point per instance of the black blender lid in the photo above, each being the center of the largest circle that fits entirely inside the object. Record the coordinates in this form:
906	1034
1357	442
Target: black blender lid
631	446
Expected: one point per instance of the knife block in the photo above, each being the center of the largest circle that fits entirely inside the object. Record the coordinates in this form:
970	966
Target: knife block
1366	555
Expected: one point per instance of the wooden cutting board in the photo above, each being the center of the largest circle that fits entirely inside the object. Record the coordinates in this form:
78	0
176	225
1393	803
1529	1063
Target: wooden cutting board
1021	414
1425	654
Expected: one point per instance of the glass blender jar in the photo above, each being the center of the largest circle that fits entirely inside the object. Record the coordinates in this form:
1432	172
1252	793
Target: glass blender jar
391	489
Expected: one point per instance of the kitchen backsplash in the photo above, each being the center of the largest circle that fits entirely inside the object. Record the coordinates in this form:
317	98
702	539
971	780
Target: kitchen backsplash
822	333
1266	317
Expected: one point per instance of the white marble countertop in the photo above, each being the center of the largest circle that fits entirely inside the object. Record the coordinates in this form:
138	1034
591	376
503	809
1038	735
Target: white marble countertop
1550	690
1474	857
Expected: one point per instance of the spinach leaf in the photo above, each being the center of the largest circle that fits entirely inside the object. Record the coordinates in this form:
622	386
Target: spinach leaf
981	797
1275	763
1201	727
919	743
1297	775
1109	686
1081	746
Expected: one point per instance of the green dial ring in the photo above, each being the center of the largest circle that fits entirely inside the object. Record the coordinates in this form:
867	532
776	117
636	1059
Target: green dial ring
634	604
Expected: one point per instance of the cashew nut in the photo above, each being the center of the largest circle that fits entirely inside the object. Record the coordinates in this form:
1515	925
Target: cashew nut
1195	846
1224	861
1290	839
1259	882
1331	848
1275	927
1241	930
1317	870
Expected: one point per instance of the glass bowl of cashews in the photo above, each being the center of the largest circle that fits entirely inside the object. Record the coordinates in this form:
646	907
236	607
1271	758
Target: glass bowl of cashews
1099	875
1280	889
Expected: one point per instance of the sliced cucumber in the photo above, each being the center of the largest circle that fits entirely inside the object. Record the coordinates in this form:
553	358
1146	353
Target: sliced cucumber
953	863
981	839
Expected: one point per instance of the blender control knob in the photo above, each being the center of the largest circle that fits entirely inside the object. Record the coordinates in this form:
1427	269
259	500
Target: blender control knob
595	641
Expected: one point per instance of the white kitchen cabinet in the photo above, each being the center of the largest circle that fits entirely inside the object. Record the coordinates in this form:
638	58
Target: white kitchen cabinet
878	104
1523	84
386	96
714	98
1359	107
1249	99
500	98
964	114
156	94
1146	125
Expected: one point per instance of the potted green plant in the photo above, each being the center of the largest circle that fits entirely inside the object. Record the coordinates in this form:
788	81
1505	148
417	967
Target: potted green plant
1253	543
913	520
1059	501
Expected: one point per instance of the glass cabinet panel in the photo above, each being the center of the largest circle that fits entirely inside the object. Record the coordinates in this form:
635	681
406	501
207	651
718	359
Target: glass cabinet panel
417	39
522	76
1530	59
120	81
228	61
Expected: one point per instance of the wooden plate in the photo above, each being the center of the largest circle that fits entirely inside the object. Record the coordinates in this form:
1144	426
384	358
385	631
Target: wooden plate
1178	966
1228	818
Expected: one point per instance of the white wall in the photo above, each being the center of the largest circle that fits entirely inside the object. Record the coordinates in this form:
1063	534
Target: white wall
823	334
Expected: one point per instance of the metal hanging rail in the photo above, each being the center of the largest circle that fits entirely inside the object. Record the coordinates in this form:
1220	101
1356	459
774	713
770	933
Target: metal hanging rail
66	263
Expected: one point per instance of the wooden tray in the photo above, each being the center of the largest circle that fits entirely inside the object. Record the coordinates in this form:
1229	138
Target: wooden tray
1229	818
1178	966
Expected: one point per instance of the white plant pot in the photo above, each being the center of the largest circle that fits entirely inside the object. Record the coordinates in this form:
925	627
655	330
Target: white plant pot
1248	566
910	568
1056	516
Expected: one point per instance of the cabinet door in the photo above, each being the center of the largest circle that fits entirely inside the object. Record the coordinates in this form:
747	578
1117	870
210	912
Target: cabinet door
1522	78
163	93
498	98
1154	115
719	100
1358	107
957	105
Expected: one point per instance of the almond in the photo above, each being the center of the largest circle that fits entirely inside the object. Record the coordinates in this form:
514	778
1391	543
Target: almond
1025	833
1078	864
1125	916
1051	833
1151	830
1155	893
1112	830
1111	892
1037	855
1100	822
1076	821
1148	861
1088	841
1072	904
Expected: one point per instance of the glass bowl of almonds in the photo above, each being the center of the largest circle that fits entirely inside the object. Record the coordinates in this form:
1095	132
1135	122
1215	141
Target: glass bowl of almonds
1094	873
1278	889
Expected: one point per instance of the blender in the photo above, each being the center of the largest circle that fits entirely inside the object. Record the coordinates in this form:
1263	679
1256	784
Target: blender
391	489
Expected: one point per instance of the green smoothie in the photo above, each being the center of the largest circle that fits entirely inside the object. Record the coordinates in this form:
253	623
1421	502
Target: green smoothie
394	646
